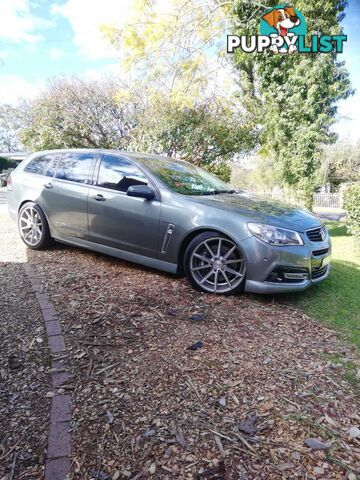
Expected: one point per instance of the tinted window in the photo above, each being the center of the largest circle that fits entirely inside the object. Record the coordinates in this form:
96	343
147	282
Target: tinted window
38	164
75	167
119	174
51	168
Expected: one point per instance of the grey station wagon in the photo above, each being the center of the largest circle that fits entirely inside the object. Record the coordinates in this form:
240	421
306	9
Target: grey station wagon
170	215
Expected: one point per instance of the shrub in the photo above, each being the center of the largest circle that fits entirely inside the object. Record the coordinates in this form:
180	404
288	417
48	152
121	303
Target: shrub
6	163
352	207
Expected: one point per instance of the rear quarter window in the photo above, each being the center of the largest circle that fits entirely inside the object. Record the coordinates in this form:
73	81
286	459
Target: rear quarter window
38	165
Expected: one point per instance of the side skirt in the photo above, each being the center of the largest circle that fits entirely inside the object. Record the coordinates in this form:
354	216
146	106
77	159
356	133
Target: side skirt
114	252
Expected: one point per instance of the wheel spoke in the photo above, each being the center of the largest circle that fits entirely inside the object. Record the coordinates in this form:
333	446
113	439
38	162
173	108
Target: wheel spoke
238	260
229	252
209	249
219	248
226	278
216	280
234	272
202	257
195	269
207	276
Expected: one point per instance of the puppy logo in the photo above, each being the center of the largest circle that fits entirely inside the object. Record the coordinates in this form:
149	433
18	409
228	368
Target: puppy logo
283	21
283	30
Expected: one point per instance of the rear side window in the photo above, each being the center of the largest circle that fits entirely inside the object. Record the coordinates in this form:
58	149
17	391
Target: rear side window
119	174
38	165
75	167
51	168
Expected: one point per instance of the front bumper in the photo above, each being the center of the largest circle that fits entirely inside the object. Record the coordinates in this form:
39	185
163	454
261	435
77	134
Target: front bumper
264	262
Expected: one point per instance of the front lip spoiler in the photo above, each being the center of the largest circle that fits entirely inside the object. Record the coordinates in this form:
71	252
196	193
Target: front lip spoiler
252	286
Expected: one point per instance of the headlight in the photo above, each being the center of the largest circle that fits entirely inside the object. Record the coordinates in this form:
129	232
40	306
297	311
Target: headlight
275	235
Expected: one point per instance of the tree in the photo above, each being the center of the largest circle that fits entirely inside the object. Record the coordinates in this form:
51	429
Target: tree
73	112
10	125
177	58
208	134
340	162
293	97
175	47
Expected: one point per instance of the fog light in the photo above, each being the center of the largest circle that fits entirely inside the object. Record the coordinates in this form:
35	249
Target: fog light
295	276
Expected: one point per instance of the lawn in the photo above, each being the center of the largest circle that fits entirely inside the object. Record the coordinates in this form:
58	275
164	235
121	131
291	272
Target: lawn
336	301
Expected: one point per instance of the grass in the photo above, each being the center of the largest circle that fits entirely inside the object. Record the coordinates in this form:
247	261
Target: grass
336	301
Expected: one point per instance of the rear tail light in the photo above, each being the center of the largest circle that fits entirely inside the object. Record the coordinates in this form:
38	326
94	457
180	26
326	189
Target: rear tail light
9	183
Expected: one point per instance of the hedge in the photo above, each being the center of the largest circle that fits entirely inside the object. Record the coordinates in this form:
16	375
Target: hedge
352	207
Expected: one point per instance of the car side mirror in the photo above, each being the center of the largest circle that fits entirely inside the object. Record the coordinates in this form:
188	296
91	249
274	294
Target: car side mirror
142	191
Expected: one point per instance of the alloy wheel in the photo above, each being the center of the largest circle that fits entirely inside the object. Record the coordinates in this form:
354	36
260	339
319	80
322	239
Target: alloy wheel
31	226
217	265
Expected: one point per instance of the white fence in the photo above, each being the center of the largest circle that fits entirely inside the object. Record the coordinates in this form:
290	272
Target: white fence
322	200
327	200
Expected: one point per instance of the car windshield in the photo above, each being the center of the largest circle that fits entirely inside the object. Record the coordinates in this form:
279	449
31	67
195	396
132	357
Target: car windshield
185	178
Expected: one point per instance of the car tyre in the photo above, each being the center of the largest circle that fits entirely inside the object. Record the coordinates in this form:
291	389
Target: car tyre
215	264
33	227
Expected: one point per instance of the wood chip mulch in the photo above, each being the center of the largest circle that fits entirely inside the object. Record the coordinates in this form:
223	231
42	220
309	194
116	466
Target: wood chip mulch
24	365
260	397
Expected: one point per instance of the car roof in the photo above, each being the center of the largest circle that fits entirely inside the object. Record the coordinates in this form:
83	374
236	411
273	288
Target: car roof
140	156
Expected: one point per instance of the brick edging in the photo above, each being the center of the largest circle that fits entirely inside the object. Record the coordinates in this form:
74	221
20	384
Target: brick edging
57	465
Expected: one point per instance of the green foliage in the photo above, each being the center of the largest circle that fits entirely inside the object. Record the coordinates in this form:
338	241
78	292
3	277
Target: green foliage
182	78
77	113
294	96
5	163
173	46
73	112
352	207
208	135
10	125
340	162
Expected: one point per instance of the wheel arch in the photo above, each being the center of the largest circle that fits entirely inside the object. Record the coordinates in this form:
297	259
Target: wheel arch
23	203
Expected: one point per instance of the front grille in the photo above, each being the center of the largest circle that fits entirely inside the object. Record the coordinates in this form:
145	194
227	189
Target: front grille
318	253
318	234
318	272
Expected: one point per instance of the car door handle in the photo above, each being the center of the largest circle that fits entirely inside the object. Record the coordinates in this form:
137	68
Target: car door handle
48	185
99	197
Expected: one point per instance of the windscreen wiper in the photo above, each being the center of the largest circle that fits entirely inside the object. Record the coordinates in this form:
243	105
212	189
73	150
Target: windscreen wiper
217	192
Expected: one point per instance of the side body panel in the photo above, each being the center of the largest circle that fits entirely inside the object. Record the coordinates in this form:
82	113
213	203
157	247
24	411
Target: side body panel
126	223
65	205
187	217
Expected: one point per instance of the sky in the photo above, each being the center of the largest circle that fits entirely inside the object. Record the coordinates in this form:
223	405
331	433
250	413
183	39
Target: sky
40	39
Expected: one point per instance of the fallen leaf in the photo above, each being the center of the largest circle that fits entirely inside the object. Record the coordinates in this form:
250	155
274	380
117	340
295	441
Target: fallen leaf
353	433
285	466
266	406
316	444
249	425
